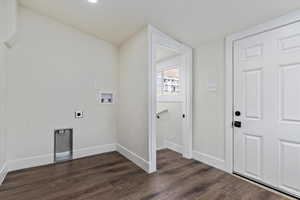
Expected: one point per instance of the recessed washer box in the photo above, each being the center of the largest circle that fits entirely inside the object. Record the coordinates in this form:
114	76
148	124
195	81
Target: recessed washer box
106	98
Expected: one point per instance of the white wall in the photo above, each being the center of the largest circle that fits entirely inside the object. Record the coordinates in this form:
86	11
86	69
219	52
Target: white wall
7	29
133	96
55	70
208	125
8	19
3	95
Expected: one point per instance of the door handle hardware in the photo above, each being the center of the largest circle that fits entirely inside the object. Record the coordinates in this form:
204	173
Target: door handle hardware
237	124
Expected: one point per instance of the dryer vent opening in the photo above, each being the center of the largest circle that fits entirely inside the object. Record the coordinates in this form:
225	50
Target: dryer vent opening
63	145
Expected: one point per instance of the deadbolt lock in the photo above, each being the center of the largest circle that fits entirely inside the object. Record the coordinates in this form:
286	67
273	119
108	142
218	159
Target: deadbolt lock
237	124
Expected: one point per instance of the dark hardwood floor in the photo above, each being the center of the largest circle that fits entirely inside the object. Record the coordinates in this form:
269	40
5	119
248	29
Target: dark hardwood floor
111	177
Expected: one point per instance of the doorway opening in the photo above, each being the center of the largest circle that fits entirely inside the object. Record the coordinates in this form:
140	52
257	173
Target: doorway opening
170	96
170	101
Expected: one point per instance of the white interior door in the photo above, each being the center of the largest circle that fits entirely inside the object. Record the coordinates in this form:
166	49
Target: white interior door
267	94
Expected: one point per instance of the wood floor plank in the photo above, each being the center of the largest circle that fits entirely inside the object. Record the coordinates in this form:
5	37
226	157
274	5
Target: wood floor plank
110	176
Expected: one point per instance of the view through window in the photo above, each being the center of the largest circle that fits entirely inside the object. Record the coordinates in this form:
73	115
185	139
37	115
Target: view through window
168	82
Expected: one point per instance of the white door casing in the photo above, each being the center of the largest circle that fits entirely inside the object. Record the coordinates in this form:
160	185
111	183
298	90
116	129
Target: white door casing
267	92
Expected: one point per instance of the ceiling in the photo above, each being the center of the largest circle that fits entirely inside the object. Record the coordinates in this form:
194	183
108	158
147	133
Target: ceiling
191	21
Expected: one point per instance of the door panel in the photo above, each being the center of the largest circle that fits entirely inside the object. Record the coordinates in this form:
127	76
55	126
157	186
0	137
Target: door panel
252	80
289	43
253	51
253	156
289	166
267	93
290	93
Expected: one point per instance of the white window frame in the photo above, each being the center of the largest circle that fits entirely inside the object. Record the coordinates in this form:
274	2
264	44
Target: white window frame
172	63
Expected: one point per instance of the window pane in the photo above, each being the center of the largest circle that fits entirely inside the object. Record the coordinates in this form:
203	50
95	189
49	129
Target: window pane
159	83
171	82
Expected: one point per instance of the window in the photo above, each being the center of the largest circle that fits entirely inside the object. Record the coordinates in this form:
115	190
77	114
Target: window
168	82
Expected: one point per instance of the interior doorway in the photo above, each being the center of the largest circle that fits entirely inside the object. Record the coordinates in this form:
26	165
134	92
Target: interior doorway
170	109
170	103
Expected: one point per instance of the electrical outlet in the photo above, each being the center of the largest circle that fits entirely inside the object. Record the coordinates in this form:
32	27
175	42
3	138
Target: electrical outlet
78	114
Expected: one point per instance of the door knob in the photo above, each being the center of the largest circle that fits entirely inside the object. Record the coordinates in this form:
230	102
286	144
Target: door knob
237	124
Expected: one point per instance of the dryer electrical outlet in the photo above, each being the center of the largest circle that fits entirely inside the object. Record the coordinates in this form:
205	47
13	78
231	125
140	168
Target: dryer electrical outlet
78	114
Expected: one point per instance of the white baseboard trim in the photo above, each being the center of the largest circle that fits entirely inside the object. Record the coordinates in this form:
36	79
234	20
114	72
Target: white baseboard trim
133	157
34	161
41	160
160	148
209	160
90	151
3	173
173	146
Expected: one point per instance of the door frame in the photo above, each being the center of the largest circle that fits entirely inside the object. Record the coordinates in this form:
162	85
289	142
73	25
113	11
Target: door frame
156	37
284	20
